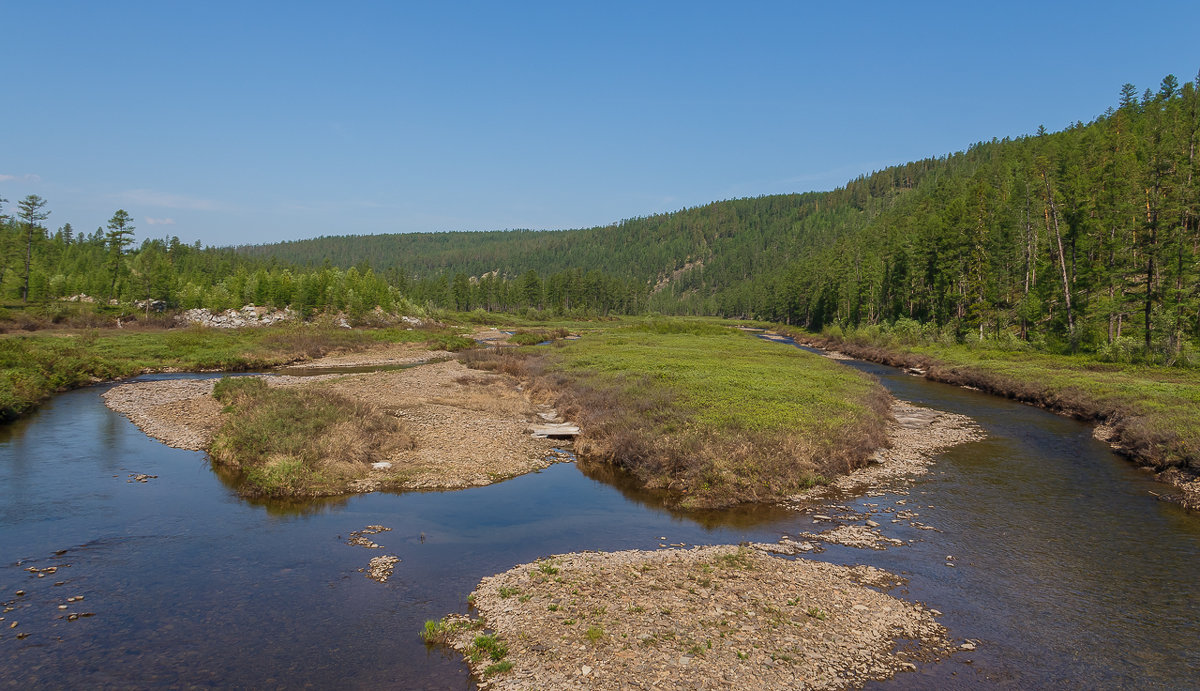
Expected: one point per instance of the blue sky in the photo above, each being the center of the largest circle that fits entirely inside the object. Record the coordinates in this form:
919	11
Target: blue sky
253	122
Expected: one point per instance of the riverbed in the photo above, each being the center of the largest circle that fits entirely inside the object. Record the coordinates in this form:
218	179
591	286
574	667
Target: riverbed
1065	570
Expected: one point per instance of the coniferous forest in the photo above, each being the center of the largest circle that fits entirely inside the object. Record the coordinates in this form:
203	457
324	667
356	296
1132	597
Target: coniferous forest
1085	239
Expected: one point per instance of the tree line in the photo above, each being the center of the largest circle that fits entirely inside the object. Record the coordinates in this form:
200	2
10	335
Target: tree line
40	266
1085	238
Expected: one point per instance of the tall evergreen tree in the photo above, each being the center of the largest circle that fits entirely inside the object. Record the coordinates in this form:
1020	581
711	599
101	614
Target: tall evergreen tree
119	237
32	214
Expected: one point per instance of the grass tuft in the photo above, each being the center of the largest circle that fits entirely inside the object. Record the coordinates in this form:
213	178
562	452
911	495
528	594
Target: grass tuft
299	441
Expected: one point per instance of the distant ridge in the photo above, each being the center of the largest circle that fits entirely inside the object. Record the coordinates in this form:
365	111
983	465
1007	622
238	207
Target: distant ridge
1088	234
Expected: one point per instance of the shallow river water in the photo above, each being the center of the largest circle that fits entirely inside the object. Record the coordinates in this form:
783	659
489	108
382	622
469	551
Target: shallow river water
1068	572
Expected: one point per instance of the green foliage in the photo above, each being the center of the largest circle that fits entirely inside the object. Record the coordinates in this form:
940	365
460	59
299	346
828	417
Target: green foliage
438	632
683	327
487	646
450	341
497	668
527	337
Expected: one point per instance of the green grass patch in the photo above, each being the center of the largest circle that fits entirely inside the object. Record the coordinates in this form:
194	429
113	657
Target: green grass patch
712	415
299	441
438	632
487	646
527	337
450	341
497	668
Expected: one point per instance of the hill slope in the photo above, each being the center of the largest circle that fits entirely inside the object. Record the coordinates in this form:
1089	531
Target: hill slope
1088	236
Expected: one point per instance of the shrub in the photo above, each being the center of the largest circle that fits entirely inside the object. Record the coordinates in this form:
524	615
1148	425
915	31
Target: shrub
297	441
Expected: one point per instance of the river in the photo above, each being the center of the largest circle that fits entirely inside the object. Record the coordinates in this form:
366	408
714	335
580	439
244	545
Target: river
1067	570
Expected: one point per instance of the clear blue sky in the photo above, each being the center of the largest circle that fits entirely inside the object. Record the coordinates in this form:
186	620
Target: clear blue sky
254	122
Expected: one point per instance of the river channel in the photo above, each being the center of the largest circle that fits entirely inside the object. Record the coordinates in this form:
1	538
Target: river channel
1067	571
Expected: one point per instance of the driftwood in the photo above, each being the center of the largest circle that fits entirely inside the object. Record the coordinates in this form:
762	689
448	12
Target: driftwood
556	430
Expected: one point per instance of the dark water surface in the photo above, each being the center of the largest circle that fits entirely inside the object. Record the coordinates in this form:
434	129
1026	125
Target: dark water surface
1068	571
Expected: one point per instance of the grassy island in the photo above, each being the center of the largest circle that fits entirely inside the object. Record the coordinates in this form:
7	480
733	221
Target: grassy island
712	415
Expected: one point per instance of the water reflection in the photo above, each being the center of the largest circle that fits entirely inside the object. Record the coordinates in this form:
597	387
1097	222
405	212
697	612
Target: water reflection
740	517
1067	570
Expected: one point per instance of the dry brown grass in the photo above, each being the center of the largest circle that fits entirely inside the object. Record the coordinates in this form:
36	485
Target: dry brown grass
293	441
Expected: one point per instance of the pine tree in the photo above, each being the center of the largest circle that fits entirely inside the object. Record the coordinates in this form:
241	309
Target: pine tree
118	237
31	215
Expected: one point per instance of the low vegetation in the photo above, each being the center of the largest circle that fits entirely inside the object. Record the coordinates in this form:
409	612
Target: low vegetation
299	440
537	336
1152	409
710	415
437	632
35	366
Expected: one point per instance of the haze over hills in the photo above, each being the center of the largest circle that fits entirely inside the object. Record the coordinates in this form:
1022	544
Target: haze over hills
1088	235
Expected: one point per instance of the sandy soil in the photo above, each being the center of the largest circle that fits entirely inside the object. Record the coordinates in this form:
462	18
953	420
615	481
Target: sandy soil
706	618
380	356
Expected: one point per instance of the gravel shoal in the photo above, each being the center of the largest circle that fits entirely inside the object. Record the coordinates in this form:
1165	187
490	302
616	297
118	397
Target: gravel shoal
705	618
391	354
915	439
469	428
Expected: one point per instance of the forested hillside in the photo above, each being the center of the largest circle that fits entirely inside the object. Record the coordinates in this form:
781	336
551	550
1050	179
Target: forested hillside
1088	236
1085	237
1081	239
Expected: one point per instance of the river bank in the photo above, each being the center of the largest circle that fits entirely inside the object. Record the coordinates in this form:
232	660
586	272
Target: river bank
1147	415
707	617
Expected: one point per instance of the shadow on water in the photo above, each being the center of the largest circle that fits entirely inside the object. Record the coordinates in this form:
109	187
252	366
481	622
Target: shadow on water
1066	570
748	516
